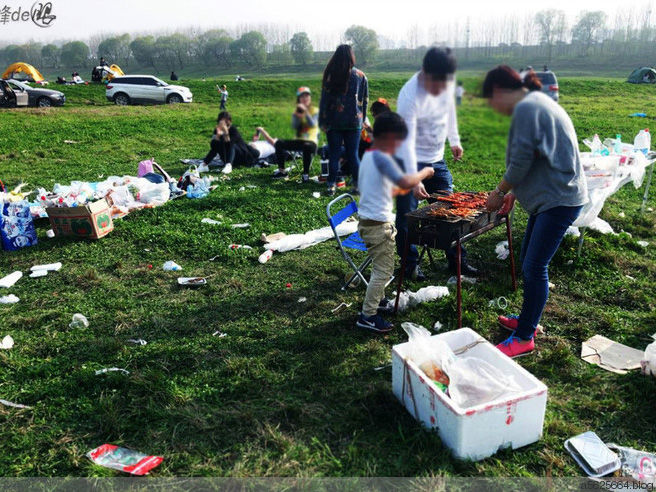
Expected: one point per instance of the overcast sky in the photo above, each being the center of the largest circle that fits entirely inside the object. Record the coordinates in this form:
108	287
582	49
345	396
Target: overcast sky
81	19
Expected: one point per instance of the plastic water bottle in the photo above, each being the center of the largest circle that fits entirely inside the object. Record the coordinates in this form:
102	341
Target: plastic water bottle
266	256
642	141
617	145
596	145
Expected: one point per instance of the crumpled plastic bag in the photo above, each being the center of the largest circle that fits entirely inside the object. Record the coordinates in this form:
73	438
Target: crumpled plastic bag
502	250
475	381
430	354
409	299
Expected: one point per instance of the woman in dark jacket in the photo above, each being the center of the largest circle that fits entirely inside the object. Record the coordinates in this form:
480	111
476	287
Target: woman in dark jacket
344	98
229	145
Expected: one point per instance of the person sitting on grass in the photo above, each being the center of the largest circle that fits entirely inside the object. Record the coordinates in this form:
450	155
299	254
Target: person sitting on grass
378	107
305	123
229	145
380	177
544	172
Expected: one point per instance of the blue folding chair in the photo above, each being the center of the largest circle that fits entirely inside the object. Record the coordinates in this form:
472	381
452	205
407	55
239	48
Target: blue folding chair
354	241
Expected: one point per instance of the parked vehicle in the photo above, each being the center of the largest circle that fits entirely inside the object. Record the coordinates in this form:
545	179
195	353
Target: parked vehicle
9	98
549	84
37	96
145	89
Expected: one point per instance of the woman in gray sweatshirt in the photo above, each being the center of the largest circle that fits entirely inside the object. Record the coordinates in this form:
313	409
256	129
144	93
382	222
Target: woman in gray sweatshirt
544	173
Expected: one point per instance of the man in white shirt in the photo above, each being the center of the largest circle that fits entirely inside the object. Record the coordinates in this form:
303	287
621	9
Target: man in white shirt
427	104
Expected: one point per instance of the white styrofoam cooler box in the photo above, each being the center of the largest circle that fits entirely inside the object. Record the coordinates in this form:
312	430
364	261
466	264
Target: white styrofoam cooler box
477	432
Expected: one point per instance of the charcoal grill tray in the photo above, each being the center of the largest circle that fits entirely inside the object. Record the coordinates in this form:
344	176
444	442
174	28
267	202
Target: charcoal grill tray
440	233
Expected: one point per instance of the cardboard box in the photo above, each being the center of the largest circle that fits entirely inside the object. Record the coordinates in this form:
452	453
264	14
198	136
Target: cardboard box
477	432
91	221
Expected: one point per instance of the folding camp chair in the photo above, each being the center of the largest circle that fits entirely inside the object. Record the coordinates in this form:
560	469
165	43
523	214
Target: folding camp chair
354	241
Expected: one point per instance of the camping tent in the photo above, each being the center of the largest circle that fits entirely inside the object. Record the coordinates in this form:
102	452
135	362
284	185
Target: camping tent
114	71
31	73
644	75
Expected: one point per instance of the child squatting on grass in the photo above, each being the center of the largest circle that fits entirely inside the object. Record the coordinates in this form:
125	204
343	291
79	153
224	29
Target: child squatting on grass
380	178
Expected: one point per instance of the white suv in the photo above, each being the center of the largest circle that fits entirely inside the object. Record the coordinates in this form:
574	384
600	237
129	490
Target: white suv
145	89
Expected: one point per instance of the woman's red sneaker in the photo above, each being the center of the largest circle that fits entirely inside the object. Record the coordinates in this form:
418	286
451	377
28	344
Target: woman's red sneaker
515	347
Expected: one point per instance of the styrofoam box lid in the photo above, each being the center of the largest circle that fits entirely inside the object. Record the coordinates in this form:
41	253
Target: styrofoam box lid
459	339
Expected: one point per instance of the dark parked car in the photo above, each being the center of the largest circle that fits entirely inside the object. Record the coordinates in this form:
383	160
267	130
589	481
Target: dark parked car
43	98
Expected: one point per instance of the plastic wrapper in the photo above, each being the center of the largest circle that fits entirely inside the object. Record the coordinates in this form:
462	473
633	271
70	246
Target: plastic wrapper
639	465
123	459
16	226
475	381
648	363
431	355
409	299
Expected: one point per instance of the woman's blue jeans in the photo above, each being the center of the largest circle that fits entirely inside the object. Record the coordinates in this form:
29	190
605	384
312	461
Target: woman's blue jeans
544	233
350	140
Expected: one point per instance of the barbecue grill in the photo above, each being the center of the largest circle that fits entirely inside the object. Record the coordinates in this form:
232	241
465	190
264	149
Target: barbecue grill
430	231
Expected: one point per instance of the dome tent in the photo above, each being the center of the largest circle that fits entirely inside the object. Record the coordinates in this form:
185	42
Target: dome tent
644	75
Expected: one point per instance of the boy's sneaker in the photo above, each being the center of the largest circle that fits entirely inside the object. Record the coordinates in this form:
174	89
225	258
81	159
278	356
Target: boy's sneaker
516	347
330	191
280	174
305	178
386	306
374	323
227	169
203	168
511	323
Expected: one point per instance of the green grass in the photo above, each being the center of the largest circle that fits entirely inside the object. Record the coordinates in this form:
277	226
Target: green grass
291	390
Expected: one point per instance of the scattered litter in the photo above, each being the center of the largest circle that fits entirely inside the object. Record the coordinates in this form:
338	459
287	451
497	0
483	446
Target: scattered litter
171	266
50	233
272	237
437	326
380	368
502	250
463	278
71	141
79	321
499	303
137	341
644	244
241	226
191	281
289	285
592	455
266	256
612	356
221	334
301	241
123	459
51	267
242	188
210	221
650	209
552	286
239	246
569	262
342	307
7	343
627	233
147	250
648	362
316	194
409	299
621	215
302	300
10	279
601	226
12	404
38	273
636	464
111	369
629	277
10	299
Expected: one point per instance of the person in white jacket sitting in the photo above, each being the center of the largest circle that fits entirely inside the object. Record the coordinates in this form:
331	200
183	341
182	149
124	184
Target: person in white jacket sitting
427	104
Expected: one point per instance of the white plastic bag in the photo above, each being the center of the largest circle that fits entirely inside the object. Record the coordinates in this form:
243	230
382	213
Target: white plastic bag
475	381
648	364
409	299
431	355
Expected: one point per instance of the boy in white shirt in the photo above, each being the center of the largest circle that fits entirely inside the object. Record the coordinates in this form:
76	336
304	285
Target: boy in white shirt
380	178
460	91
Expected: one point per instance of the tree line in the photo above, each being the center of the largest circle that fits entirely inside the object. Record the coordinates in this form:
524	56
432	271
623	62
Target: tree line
547	34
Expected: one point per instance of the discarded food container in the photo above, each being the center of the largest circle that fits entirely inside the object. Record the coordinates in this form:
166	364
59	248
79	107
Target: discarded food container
592	454
476	432
90	221
191	281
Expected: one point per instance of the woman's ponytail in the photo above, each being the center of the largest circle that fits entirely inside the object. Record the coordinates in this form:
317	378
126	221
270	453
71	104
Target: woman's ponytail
531	81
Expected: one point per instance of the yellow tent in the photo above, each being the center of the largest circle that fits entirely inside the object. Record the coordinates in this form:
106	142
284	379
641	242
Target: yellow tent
114	71
32	73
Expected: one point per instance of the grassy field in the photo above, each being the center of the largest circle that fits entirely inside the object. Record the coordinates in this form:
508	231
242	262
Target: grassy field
291	390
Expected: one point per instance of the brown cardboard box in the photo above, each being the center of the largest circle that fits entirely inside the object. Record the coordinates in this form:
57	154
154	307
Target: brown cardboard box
91	221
